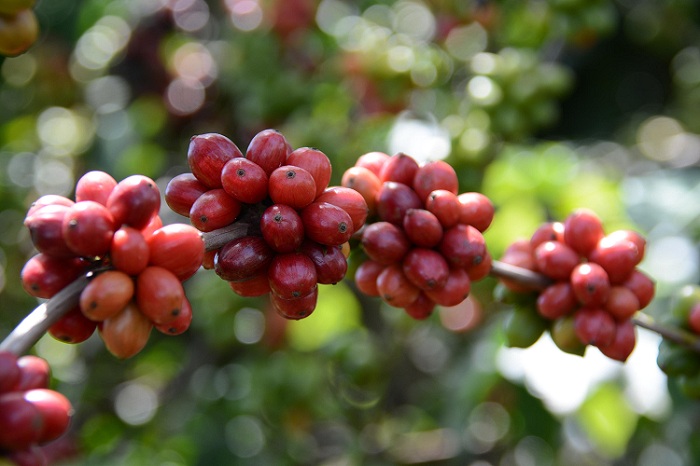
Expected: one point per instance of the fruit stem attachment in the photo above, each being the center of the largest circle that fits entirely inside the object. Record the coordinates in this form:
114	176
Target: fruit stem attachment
520	275
217	238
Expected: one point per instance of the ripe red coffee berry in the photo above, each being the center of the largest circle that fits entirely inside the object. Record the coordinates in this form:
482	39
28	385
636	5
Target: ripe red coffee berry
268	149
178	248
349	200
434	175
556	301
400	168
129	251
282	228
21	422
34	373
88	228
295	308
181	192
292	275
258	285
159	294
555	259
394	199
43	276
315	162
426	268
292	186
463	246
366	277
590	284
329	261
326	224
106	295
365	182
9	371
55	411
422	227
48	199
126	333
244	180
421	308
72	327
207	154
446	207
642	286
395	288
455	291
180	324
134	201
95	185
46	230
617	256
384	242
476	210
594	326
548	231
582	231
373	161
622	303
213	210
623	343
243	258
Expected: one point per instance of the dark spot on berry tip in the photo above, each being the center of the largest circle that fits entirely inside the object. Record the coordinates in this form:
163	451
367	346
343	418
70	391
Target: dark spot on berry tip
296	294
342	227
291	174
240	172
203	219
175	312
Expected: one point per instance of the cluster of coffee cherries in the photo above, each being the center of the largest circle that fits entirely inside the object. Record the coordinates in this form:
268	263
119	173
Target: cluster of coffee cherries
594	286
424	242
292	229
676	359
31	414
114	231
19	27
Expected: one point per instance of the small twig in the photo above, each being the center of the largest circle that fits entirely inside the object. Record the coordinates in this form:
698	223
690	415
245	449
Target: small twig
519	274
213	240
674	334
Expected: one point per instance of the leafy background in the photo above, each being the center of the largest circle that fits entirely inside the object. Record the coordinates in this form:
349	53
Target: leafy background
543	105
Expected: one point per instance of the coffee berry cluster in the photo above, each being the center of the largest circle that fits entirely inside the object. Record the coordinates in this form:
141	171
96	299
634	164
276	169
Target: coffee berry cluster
423	242
294	228
31	414
113	230
679	361
594	286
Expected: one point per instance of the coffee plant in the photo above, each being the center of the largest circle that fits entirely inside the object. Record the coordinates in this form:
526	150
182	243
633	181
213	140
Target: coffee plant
337	233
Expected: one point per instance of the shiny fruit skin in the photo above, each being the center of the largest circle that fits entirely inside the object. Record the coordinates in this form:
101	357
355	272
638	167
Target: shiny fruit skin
106	295
282	228
126	333
43	276
582	231
181	192
617	256
9	371
213	210
385	242
95	185
456	289
55	410
292	186
594	326
295	308
372	161
394	199
244	180
623	343
18	31
269	149
622	303
243	258
555	259
180	324
590	284
315	162
207	154
88	228
73	327
326	224
292	275
642	286
46	200
365	182
178	248
433	175
366	277
349	200
129	252
395	288
34	373
159	294
446	207
258	285
46	230
21	421
548	231
329	261
421	308
557	300
463	246
400	168
476	210
134	201
425	268
422	228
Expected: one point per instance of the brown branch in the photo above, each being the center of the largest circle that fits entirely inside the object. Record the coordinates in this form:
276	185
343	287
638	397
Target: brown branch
37	322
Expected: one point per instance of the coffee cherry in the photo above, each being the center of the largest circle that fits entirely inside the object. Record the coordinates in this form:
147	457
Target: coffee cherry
73	327
400	168
258	285
46	200
159	294
315	162
622	303
207	154
178	248
292	186
129	252
463	246
282	228
590	284
434	175
21	421
556	301
366	277
373	161
385	243
43	276
456	289
582	231
243	258
329	261
244	180
422	228
425	268
642	286
126	333
106	295
134	201
213	210
446	207
555	259
594	326
349	200
394	199
46	230
617	256
326	224
34	373
180	324
295	308
9	371
155	223
395	288
88	228
292	275
623	342
421	308
364	182
476	210
18	31
182	191
268	149
95	186
55	411
548	231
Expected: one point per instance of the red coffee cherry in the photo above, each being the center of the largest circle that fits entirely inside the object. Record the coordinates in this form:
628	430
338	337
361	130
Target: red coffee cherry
400	168
244	180
126	333
72	327
46	230
365	182
292	186
594	326
395	288
134	201
129	251
455	291
213	210
326	224
366	277
582	231
95	185
178	248
590	284
394	199
282	228
556	301
555	259
268	149
425	268
446	207
295	308
476	210
421	308
350	201
434	175
623	343
159	294
315	162
106	295
207	154
463	246
292	275
385	243
182	191
329	261
243	258
548	231
373	161
422	228
88	228
258	285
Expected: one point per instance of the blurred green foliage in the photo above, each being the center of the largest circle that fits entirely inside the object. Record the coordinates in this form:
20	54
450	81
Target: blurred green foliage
543	105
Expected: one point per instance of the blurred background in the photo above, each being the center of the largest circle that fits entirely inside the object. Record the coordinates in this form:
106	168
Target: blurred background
543	105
